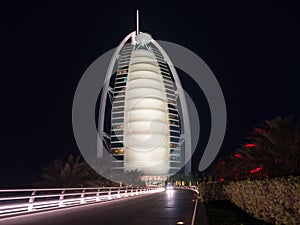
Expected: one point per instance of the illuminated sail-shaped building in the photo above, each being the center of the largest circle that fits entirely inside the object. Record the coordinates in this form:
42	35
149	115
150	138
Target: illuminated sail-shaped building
149	126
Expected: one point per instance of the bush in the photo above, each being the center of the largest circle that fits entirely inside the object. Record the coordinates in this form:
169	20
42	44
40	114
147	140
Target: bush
225	212
211	191
276	201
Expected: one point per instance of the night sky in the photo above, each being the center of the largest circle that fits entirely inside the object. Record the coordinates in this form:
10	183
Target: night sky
252	50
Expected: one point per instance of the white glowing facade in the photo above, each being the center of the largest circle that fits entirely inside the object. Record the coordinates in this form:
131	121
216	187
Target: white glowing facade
146	123
149	124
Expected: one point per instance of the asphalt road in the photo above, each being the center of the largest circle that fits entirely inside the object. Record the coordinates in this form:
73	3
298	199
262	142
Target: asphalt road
164	208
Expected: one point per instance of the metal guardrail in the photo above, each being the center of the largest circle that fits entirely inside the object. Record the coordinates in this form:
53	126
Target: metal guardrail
22	201
193	188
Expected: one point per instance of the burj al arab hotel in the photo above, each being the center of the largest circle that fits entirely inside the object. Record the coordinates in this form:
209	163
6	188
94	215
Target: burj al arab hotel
143	118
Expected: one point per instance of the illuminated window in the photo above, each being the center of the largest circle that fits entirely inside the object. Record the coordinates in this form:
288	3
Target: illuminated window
122	71
173	116
171	101
117	151
172	145
119	126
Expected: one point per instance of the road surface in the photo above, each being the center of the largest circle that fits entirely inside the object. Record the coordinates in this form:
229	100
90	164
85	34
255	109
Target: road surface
164	208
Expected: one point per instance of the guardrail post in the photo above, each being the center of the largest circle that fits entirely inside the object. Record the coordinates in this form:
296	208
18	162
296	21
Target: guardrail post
31	201
61	198
82	197
109	194
97	195
132	192
119	193
126	195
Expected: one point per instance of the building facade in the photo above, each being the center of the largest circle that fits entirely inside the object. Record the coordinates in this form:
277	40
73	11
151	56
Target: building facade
149	126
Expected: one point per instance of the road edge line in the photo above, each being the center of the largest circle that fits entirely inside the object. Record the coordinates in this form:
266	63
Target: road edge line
195	211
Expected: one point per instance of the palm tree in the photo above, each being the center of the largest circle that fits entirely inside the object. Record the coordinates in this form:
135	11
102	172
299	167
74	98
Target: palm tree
103	166
64	174
133	178
75	172
275	151
279	145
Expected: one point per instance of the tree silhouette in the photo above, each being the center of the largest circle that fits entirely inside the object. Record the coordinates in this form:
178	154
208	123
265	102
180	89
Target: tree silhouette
133	178
75	172
278	146
275	151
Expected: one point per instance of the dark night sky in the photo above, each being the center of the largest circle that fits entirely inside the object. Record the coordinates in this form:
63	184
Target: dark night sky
253	52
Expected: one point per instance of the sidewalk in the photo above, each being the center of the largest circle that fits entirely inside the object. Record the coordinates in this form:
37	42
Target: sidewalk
201	217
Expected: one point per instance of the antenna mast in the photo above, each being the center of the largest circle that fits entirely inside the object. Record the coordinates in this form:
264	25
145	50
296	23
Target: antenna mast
137	22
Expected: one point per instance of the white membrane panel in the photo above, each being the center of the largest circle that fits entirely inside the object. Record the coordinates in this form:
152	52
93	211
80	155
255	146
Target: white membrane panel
146	128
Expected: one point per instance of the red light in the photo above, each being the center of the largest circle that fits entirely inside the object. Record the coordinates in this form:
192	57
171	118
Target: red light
259	130
256	170
222	179
250	145
222	163
237	155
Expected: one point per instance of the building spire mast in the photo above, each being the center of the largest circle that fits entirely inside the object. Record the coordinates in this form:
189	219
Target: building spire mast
137	22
